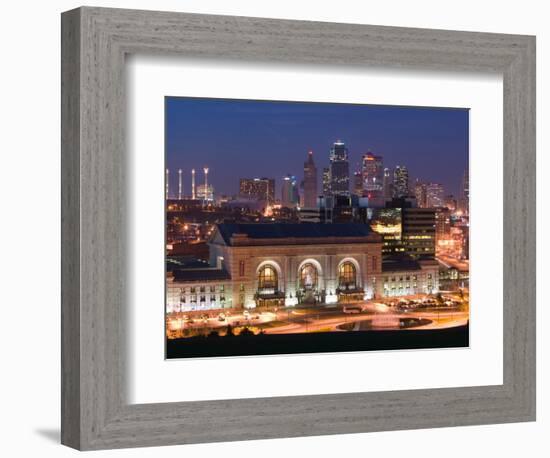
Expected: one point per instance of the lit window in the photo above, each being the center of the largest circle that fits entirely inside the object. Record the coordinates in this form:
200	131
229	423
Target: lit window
347	276
267	278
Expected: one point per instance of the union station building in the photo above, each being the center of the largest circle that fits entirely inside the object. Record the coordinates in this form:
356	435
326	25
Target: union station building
279	264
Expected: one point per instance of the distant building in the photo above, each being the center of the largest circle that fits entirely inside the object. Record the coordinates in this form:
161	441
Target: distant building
451	203
387	184
205	192
435	195
465	193
262	189
358	188
372	169
400	182
289	192
442	224
421	194
419	232
326	182
339	169
310	182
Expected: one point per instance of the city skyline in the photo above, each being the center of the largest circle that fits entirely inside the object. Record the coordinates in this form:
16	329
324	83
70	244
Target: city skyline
431	142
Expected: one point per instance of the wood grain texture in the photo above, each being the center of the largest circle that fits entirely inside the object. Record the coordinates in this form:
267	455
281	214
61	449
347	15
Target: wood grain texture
96	414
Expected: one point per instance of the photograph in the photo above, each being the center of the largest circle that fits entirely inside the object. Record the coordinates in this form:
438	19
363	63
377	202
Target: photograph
307	227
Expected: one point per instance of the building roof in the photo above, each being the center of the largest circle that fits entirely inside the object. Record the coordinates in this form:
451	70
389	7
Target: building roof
396	265
263	231
206	274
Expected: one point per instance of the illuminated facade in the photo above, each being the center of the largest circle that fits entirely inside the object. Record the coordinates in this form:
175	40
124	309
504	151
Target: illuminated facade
339	169
310	182
275	265
400	182
262	189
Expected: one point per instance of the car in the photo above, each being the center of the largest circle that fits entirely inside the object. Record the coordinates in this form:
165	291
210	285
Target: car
221	317
352	309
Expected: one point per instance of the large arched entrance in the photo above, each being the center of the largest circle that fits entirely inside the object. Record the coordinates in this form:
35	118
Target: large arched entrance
309	283
268	292
348	282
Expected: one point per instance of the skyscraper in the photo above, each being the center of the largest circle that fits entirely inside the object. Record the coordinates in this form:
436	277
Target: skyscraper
358	187
372	168
326	182
289	192
420	192
400	181
262	189
310	182
465	192
387	184
339	169
435	195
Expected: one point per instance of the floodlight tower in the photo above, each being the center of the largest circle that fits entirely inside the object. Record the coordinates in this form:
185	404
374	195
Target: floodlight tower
180	184
205	183
193	190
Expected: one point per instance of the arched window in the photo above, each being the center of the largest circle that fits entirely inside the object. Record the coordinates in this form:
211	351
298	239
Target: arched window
308	277
347	276
267	279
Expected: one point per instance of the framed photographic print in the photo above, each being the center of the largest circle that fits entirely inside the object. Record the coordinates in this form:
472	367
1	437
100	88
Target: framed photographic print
347	252
286	228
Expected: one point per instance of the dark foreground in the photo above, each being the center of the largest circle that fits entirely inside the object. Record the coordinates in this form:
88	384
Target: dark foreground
321	342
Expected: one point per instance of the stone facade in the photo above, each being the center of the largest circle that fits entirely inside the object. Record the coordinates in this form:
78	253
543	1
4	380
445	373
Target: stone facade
287	271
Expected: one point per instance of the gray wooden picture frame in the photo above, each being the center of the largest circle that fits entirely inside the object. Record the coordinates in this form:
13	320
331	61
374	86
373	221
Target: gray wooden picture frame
95	412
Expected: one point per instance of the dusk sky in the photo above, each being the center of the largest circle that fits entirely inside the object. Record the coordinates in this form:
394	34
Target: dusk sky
247	139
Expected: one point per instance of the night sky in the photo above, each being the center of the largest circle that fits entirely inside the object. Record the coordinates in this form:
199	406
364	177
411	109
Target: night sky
247	139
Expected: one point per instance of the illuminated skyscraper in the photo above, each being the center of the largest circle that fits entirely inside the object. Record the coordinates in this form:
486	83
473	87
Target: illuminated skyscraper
310	182
289	192
326	182
358	187
466	192
435	195
261	189
400	181
373	173
420	192
373	178
339	169
387	184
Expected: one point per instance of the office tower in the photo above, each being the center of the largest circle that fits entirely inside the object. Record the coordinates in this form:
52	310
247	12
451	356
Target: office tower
180	184
420	192
419	232
466	192
400	181
262	189
358	187
326	182
442	224
339	169
373	174
435	195
289	192
310	182
193	188
167	183
387	184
